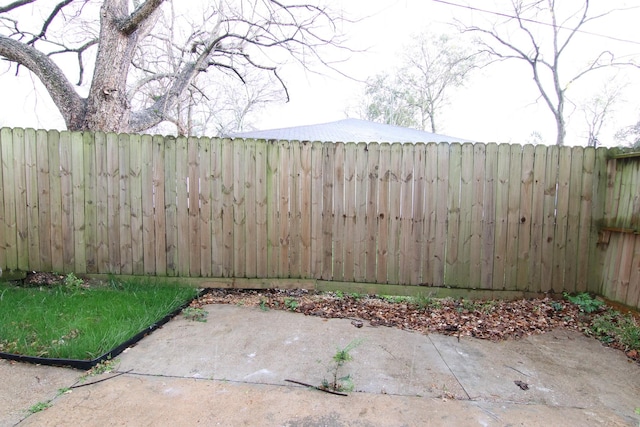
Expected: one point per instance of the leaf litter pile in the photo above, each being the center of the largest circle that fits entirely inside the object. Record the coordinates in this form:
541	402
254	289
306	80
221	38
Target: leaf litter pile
492	320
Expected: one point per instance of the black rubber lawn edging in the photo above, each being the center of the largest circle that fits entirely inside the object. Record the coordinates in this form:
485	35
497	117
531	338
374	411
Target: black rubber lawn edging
85	365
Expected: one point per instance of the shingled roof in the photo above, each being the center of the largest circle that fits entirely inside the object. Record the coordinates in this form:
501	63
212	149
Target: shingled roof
348	130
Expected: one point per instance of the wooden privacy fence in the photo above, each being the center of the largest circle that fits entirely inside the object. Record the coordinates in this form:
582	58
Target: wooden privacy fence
621	231
501	217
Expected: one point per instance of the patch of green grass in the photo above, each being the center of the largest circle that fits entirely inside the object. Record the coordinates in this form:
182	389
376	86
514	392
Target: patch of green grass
613	326
40	406
77	322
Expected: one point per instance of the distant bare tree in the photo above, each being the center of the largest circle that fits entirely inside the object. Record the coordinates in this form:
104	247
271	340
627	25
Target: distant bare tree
540	33
598	108
415	94
148	57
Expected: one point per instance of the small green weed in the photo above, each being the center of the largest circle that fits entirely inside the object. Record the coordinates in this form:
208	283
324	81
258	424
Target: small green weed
38	407
63	390
339	294
291	303
342	356
557	306
195	314
613	326
585	302
102	368
73	283
424	302
356	296
263	305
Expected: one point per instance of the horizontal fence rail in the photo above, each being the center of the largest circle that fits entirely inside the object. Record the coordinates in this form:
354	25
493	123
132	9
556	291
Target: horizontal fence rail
477	216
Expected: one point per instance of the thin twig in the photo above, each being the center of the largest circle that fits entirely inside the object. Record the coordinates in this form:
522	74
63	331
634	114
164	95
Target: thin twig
337	393
99	381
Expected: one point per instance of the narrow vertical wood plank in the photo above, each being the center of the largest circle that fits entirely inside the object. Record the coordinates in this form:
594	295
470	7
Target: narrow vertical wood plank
239	206
273	197
147	198
227	168
360	235
328	166
193	204
217	209
3	194
171	207
66	199
103	194
513	218
477	214
159	202
283	209
57	254
465	215
441	218
349	217
251	219
44	201
338	212
317	208
418	215
383	213
371	181
124	197
583	246
31	170
561	218
204	219
136	213
501	217
261	209
574	205
548	227
20	183
489	221
596	258
89	157
405	238
8	225
633	296
305	198
395	194
524	232
183	189
78	181
293	174
537	215
430	211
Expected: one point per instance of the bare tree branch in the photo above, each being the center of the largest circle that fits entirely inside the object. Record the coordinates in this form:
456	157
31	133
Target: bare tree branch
60	89
15	5
142	12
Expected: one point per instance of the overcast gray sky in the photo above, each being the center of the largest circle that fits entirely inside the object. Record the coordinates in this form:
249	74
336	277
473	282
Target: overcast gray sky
500	103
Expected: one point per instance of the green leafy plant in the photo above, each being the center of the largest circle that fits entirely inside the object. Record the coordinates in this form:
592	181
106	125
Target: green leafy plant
291	303
340	358
73	283
263	305
585	302
40	406
196	314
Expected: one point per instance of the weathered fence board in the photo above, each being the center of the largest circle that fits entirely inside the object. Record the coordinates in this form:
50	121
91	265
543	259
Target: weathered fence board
499	217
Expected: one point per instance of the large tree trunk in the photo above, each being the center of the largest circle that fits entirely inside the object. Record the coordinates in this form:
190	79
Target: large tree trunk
107	106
